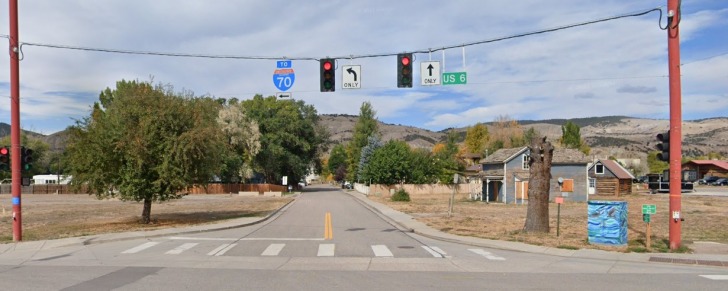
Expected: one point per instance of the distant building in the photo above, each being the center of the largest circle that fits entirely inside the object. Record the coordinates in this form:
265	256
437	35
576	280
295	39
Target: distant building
51	179
707	168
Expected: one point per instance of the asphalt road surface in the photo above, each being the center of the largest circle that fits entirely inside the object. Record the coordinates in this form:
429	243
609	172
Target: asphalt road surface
329	240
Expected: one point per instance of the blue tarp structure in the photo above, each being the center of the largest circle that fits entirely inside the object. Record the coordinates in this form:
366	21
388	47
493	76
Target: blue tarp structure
607	222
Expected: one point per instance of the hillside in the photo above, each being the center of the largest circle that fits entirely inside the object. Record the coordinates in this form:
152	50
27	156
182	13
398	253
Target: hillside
618	136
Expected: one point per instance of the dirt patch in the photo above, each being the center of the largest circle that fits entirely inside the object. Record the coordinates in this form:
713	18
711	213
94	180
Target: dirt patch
61	216
705	220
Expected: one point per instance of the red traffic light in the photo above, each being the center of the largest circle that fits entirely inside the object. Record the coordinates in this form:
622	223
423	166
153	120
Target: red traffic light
405	61
327	65
4	151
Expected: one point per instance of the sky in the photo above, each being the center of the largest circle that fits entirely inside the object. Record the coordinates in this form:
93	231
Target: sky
616	67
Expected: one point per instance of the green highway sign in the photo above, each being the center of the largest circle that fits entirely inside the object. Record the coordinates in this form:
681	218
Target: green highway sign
649	209
455	78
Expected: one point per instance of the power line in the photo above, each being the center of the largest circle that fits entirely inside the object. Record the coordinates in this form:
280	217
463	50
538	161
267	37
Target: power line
244	57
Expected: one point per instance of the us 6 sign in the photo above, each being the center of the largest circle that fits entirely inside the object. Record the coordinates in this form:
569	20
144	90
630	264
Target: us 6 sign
456	78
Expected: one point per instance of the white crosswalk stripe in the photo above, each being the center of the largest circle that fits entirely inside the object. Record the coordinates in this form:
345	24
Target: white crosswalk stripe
221	250
140	248
487	254
273	250
180	249
326	250
381	251
715	277
434	251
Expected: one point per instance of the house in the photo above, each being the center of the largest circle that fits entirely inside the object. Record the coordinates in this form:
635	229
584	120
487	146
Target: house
505	175
706	168
608	177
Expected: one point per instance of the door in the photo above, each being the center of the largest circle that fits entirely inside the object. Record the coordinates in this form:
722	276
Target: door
592	185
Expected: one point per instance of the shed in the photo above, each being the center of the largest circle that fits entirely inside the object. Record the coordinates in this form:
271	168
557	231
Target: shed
608	177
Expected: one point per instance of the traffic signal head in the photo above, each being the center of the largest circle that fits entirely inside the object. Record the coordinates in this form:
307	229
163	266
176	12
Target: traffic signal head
4	159
328	83
26	158
663	146
404	70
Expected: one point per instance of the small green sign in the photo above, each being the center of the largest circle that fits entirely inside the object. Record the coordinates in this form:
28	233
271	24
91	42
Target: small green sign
646	217
455	78
649	209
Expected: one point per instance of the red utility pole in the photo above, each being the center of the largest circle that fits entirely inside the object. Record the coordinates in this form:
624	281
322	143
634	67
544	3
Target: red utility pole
14	52
673	55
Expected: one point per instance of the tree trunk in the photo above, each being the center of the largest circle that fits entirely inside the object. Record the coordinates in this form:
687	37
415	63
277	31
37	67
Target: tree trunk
537	217
147	211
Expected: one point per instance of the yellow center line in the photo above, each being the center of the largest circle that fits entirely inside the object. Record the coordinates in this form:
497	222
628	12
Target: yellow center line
328	229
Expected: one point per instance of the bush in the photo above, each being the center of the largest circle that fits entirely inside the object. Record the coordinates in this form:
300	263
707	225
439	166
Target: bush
401	195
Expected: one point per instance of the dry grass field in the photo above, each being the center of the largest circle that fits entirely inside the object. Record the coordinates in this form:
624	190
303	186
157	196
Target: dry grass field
60	216
706	219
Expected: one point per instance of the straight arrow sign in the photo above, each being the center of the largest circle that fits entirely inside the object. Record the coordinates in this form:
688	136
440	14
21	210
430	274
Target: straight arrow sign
430	73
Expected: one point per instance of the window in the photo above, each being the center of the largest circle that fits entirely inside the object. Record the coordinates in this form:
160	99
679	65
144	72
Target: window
599	169
567	185
592	183
526	159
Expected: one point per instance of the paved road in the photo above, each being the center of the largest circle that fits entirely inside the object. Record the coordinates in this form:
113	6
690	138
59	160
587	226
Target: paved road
328	239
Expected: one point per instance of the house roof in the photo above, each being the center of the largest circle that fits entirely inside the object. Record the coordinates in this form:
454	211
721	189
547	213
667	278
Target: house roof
471	156
502	155
719	164
569	156
614	167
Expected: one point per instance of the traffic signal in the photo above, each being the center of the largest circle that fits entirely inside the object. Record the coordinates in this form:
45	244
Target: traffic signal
663	146
328	81
4	159
404	70
26	158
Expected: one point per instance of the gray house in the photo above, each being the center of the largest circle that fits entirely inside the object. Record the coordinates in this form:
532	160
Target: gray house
505	175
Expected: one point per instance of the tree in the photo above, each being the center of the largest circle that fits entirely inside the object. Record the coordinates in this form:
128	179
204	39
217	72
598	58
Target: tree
446	161
507	133
571	138
365	127
537	215
143	142
476	138
291	138
243	141
337	159
366	152
655	165
390	164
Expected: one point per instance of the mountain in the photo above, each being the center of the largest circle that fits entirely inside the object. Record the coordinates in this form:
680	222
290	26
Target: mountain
617	136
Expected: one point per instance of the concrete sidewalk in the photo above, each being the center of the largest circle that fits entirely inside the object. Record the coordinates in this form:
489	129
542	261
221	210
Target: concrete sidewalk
405	223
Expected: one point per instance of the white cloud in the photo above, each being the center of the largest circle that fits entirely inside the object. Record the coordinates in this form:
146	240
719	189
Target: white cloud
570	73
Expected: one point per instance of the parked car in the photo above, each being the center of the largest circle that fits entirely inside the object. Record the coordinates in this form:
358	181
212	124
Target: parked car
720	182
708	180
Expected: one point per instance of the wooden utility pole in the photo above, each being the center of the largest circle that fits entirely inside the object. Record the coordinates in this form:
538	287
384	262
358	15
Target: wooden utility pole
537	217
673	53
15	170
